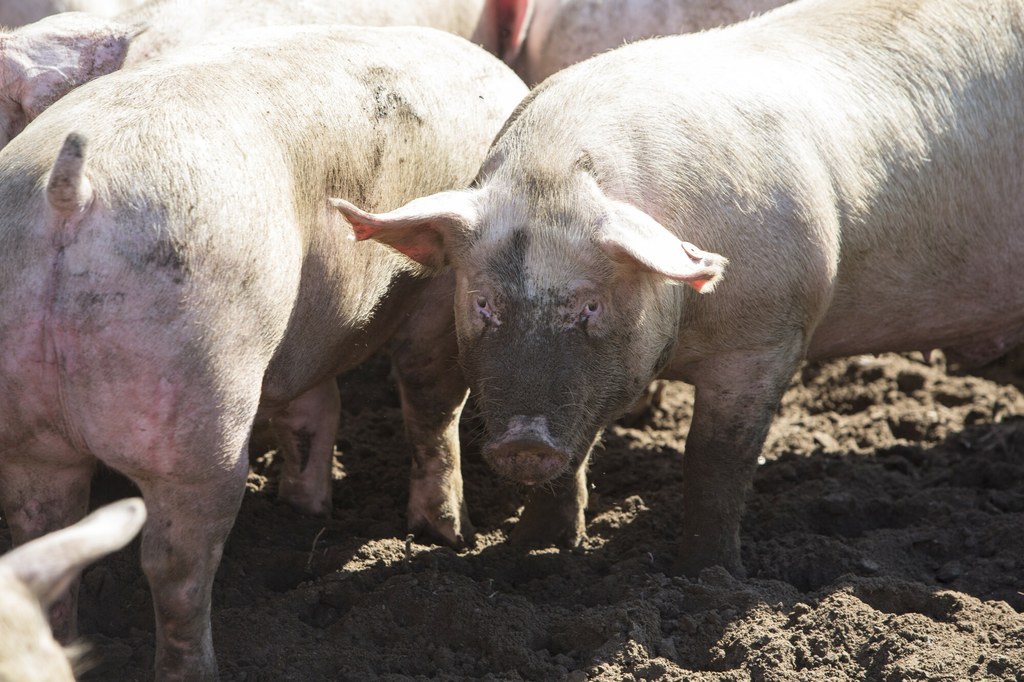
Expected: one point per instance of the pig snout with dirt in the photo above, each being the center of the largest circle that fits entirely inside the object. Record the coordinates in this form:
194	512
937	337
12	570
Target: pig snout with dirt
563	32
35	574
171	269
497	25
860	163
42	62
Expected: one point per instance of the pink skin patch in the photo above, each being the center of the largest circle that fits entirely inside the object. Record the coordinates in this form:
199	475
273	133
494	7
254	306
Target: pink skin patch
698	284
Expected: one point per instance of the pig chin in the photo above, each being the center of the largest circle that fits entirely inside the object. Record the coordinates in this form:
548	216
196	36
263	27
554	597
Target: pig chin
526	452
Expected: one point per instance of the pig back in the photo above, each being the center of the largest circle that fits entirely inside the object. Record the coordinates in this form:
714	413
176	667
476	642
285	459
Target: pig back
170	24
834	167
211	173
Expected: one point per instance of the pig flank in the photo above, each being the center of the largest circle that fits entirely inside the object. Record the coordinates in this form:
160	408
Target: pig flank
168	250
859	162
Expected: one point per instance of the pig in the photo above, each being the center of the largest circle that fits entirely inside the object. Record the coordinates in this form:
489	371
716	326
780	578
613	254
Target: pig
34	575
46	60
42	62
498	25
831	178
171	270
563	32
21	12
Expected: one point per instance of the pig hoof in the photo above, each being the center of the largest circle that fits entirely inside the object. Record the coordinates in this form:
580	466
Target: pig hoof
446	532
304	503
530	535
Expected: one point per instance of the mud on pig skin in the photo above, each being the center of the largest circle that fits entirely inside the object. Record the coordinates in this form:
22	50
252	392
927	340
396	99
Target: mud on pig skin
171	269
859	163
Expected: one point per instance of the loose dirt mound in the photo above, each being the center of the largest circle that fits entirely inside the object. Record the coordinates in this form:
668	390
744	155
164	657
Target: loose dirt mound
884	540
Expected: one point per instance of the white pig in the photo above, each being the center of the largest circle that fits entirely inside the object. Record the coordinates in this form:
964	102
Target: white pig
563	32
170	269
42	62
21	12
859	162
498	25
35	574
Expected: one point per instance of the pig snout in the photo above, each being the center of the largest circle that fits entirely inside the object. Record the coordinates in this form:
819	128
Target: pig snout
526	452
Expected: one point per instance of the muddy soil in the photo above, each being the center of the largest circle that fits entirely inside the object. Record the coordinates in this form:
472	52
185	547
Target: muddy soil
883	540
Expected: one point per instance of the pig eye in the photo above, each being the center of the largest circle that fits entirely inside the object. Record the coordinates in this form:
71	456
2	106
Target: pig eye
590	310
483	307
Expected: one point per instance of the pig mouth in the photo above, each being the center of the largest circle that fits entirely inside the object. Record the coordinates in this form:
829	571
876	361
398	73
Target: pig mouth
527	462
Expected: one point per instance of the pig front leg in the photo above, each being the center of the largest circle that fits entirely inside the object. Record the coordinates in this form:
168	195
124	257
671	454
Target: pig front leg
306	432
44	487
737	395
553	513
433	391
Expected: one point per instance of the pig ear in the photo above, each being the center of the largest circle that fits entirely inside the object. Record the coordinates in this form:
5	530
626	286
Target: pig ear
504	24
51	57
423	229
47	565
633	237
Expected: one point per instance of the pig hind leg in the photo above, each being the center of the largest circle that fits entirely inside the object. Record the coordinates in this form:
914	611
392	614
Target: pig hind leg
187	451
182	543
44	486
305	433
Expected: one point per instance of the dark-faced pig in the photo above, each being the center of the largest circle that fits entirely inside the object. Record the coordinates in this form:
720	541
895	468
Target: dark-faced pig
35	574
497	25
563	32
859	162
42	62
170	268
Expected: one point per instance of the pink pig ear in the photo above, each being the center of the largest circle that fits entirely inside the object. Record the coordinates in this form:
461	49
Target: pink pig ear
633	237
503	26
51	57
423	230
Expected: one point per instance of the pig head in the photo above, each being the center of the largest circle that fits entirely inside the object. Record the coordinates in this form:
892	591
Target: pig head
857	161
567	303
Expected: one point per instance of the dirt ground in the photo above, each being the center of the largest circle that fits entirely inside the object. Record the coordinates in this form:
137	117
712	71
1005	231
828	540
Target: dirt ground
884	540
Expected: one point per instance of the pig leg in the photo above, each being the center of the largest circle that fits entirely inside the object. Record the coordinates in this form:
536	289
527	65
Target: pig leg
305	433
433	392
182	544
45	488
553	514
737	395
